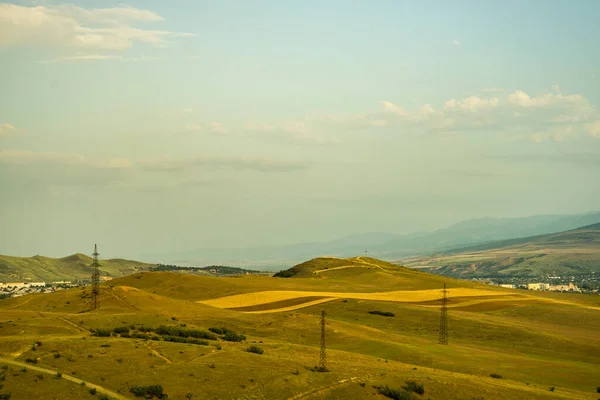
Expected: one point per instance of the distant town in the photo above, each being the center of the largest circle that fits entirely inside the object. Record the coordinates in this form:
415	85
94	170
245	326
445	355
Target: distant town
16	289
584	283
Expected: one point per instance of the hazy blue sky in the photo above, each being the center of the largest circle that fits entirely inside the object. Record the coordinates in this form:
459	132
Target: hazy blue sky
152	126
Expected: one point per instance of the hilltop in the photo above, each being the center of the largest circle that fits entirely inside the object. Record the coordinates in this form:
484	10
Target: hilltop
73	267
574	251
190	334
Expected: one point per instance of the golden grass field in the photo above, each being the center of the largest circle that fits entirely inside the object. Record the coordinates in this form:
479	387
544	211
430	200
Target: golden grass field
535	341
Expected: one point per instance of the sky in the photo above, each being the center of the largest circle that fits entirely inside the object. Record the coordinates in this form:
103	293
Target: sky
152	126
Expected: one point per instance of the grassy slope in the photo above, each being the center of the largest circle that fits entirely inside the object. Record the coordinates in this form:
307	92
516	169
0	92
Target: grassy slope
76	266
572	251
545	344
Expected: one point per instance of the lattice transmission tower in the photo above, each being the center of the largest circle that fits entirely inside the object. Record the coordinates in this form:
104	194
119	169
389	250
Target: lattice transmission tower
95	279
444	318
323	360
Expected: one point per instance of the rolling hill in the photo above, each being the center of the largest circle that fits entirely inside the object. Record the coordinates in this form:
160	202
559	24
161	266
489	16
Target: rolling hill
190	335
574	251
73	267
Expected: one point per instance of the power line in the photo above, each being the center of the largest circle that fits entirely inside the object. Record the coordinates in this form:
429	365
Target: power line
323	360
444	318
95	279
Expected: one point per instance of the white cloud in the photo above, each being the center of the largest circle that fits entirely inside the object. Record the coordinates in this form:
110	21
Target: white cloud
240	163
455	42
472	104
522	99
82	57
218	127
72	26
193	127
7	130
25	157
593	129
194	57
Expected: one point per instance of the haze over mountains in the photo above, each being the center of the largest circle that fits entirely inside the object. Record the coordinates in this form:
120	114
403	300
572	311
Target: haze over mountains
384	245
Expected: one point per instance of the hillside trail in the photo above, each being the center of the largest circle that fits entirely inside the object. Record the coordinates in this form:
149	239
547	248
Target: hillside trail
325	389
156	353
67	377
366	264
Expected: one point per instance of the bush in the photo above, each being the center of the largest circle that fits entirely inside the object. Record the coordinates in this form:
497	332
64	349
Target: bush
93	391
24	369
121	329
598	389
181	332
496	376
552	388
255	349
101	332
384	313
104	397
395	394
105	345
233	337
221	331
56	355
125	335
58	375
139	336
412	386
31	361
150	390
5	396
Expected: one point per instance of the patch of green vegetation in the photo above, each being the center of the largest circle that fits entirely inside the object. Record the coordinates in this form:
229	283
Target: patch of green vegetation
255	349
383	313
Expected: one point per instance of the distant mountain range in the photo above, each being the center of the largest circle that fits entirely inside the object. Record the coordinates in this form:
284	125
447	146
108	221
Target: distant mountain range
571	252
387	246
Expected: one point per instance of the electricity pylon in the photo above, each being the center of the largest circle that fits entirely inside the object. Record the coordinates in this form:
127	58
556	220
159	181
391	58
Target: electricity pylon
444	318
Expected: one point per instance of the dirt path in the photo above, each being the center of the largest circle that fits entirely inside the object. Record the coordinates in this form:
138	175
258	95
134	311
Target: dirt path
67	377
324	389
156	353
79	328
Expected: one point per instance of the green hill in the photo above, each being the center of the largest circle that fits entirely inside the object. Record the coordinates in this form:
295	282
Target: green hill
73	267
189	335
575	251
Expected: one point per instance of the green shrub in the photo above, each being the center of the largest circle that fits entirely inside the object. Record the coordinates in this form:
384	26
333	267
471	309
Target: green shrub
255	349
104	397
139	336
58	375
384	313
412	386
395	394
5	396
56	355
105	345
233	337
496	376
552	388
93	391
150	390
101	332
221	331
125	335
185	333
31	361
121	329
24	369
